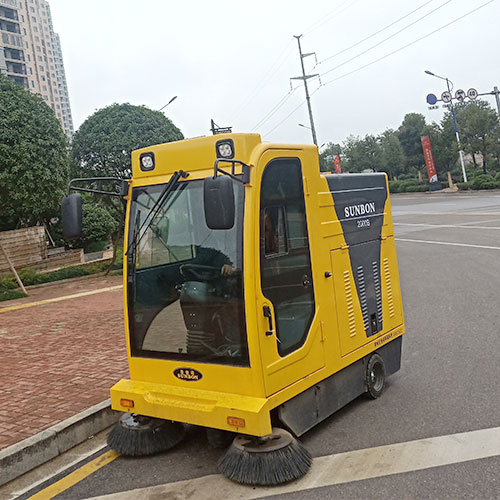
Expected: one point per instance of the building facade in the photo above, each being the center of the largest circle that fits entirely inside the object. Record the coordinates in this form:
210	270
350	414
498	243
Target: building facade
30	54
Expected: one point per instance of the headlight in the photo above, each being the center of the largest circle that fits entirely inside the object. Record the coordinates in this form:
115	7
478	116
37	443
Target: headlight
147	161
225	149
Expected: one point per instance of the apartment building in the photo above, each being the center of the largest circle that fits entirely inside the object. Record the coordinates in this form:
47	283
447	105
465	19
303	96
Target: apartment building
30	54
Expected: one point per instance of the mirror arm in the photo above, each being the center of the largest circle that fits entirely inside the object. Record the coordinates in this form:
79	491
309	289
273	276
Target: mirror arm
243	178
122	183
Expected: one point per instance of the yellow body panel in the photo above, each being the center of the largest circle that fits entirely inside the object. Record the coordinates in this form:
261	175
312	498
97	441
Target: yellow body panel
336	336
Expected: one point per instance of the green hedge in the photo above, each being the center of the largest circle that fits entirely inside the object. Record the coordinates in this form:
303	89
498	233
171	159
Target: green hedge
407	186
481	181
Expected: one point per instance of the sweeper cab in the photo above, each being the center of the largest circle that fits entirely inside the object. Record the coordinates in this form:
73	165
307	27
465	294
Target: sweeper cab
259	292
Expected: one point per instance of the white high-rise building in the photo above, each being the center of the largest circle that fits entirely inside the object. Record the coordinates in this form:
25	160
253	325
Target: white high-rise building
32	53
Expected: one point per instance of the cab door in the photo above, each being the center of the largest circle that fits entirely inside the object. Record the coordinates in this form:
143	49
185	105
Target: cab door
290	338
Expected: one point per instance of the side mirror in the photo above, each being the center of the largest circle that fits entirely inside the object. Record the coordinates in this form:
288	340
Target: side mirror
218	201
71	212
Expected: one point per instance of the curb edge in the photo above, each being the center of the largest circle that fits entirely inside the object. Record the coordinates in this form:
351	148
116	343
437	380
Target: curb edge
31	452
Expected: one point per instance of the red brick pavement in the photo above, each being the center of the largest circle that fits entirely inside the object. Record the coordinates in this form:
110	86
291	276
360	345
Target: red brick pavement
60	358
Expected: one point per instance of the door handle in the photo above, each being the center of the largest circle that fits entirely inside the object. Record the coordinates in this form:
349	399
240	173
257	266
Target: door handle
268	314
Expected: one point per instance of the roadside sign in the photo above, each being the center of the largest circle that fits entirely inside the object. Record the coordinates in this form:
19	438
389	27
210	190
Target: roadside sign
431	99
446	96
472	94
460	95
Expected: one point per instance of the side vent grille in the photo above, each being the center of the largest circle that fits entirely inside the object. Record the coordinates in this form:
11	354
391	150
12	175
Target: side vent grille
388	285
362	297
350	304
378	291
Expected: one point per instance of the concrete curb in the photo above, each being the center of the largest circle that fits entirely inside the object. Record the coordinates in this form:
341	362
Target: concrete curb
48	444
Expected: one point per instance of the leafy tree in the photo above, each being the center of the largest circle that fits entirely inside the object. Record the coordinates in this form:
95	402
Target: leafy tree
478	123
102	145
327	155
362	154
409	134
33	157
392	155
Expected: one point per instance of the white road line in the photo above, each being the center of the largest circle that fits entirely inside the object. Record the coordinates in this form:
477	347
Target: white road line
337	469
445	225
447	243
480	221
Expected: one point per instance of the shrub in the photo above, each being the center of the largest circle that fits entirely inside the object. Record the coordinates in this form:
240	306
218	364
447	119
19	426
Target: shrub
463	186
11	294
484	182
98	225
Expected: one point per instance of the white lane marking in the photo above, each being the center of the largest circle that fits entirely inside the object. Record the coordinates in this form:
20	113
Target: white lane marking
445	225
448	243
480	221
337	469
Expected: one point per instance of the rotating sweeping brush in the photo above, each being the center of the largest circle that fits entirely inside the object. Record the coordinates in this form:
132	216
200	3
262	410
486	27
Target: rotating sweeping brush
136	435
270	460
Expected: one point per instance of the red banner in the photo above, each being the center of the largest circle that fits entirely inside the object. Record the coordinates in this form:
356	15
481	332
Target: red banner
336	162
429	160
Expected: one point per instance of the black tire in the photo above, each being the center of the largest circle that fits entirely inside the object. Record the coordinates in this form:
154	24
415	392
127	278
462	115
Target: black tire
375	376
219	439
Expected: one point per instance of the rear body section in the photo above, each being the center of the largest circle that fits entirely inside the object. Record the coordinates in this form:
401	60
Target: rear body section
225	327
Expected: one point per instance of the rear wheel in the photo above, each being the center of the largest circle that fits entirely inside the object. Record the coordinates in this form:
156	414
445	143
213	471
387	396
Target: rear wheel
375	376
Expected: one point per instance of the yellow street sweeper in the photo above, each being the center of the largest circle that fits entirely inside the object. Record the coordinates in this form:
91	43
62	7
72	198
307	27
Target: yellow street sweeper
258	292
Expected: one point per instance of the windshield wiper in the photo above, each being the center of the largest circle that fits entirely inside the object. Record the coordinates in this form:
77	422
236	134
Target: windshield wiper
155	209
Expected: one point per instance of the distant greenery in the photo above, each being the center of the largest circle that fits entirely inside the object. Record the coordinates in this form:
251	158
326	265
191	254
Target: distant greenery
399	152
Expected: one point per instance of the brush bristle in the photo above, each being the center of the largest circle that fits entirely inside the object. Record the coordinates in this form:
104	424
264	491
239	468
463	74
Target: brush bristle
266	469
145	440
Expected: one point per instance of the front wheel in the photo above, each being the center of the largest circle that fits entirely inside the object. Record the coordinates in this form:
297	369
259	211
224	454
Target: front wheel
375	376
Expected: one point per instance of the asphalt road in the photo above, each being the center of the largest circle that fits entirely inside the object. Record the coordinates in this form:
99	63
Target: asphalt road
449	261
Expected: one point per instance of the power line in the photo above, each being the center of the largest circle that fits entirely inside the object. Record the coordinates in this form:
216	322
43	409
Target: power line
273	68
383	57
376	32
388	38
274	109
337	10
290	114
408	44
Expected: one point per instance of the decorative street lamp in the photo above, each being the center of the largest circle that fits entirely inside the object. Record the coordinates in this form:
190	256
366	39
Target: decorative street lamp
450	88
169	102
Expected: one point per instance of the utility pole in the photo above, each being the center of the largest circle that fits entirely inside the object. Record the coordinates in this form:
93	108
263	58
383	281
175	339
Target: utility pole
304	78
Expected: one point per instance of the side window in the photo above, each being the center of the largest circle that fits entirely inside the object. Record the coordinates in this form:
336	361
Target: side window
285	262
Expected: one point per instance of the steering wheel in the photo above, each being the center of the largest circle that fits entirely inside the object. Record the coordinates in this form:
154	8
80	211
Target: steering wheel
200	271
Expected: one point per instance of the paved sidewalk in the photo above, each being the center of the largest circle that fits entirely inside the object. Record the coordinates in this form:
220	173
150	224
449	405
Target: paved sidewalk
59	358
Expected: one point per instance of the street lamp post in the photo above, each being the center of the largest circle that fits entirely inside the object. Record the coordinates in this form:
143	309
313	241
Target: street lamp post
448	82
169	102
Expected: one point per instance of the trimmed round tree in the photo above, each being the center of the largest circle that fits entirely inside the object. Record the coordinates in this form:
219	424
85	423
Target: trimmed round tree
33	157
102	145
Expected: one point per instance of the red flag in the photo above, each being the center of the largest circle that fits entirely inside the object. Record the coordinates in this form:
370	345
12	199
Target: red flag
429	160
336	162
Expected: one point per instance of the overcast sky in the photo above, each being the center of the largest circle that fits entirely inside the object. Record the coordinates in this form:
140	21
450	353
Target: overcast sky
232	61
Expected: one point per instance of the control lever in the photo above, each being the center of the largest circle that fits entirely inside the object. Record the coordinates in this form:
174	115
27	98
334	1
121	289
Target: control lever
268	314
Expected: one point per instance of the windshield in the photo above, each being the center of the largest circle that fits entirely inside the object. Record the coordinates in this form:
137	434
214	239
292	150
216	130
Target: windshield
185	287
